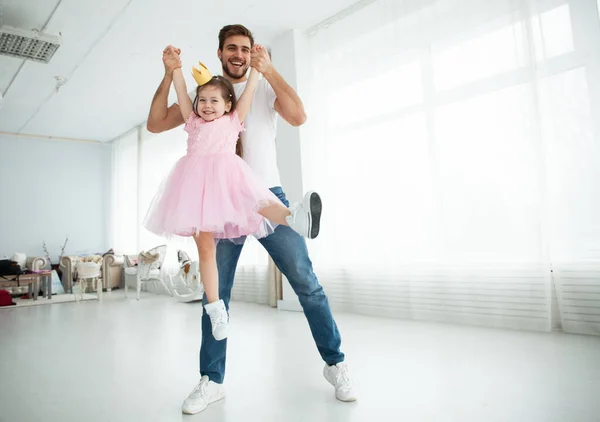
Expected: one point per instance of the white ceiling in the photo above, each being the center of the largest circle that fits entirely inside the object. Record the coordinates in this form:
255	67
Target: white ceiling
110	54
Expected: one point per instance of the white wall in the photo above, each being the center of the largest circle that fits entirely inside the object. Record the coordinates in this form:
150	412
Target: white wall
284	51
289	56
50	189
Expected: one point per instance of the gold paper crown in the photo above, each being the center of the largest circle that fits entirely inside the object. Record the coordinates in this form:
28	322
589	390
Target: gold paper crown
201	74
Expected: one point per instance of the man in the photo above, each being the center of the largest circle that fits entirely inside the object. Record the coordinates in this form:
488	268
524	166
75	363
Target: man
287	248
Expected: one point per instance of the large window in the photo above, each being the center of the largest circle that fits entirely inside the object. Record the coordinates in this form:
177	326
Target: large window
455	146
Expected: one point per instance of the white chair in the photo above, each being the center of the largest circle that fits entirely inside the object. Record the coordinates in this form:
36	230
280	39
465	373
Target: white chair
87	271
148	269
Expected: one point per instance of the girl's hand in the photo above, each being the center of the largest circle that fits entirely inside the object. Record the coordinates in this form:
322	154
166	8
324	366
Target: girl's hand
260	59
171	59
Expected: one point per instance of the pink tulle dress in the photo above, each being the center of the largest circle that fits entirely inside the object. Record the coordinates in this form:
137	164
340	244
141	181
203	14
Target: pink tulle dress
211	189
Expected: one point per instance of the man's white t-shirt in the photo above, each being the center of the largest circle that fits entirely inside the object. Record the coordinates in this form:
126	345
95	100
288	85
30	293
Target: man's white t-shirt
258	138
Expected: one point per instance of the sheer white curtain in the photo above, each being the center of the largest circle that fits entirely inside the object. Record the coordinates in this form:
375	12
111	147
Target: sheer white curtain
141	161
124	182
456	144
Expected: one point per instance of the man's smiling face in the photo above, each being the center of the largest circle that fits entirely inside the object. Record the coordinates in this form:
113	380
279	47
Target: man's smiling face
235	56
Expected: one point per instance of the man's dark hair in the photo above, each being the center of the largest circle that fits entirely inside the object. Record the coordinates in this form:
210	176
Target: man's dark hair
231	30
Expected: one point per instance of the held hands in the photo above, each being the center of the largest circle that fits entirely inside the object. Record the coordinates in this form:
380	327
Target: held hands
171	59
259	59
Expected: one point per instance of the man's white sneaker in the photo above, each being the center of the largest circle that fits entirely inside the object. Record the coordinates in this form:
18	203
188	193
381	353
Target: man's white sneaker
306	217
205	393
337	375
219	319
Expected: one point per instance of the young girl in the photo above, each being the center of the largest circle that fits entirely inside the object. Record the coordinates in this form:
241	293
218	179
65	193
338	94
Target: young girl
211	192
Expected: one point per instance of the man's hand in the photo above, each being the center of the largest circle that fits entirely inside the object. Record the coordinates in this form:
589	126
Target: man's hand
171	59
259	59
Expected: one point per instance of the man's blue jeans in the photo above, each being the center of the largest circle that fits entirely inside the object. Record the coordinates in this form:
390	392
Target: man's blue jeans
289	252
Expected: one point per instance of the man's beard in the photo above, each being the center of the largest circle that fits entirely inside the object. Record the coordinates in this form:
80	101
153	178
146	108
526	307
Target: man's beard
242	70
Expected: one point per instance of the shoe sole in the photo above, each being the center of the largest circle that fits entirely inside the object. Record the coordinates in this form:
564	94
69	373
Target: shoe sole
193	412
348	400
312	203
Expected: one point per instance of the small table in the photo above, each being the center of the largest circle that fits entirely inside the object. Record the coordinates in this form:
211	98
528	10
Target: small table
33	280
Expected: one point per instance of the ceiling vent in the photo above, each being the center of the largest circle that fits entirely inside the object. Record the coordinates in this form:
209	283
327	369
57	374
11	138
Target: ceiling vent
30	45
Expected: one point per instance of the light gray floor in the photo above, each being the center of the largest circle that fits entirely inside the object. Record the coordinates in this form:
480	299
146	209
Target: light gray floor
123	360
